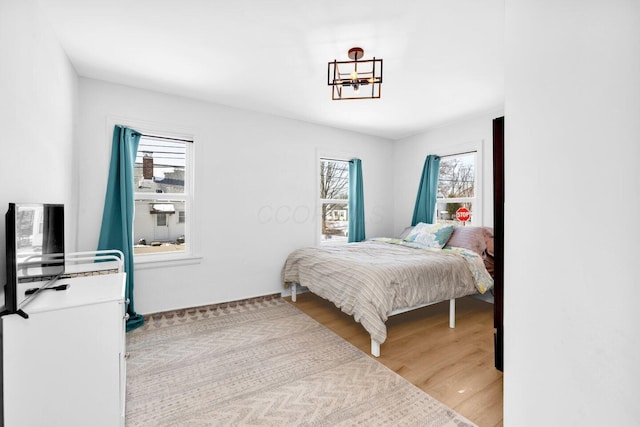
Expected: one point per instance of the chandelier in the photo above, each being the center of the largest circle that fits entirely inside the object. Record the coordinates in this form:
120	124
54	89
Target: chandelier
355	79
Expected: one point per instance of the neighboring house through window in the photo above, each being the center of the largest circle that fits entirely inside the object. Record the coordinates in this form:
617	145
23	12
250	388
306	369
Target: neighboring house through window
334	200
163	196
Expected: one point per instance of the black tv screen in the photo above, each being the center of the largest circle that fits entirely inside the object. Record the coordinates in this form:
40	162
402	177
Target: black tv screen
34	248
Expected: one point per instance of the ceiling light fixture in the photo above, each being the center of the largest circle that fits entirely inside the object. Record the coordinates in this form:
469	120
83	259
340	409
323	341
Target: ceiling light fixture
356	74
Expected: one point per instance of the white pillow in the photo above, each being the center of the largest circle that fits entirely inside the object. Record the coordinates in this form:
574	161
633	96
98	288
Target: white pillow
405	232
430	235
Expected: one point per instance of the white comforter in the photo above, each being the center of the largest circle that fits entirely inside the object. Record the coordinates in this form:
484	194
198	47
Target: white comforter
370	279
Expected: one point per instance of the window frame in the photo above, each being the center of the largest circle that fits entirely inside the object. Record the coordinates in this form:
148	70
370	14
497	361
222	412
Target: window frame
476	201
191	254
333	157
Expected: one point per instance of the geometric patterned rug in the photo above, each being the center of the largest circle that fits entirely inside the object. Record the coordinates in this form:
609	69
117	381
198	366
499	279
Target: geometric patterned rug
264	363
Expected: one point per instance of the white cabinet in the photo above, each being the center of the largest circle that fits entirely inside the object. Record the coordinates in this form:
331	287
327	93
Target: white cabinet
65	364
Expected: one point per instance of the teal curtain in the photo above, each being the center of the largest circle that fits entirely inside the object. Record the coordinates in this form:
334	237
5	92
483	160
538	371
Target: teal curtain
117	218
356	202
427	191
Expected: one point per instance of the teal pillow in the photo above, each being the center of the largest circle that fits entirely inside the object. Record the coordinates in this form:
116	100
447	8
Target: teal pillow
430	235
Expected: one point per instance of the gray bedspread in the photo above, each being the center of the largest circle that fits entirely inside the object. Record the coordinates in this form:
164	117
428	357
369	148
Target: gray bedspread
370	279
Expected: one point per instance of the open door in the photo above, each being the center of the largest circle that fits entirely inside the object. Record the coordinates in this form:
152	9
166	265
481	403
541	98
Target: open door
498	233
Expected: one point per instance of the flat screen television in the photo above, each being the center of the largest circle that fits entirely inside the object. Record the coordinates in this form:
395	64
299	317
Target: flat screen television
34	251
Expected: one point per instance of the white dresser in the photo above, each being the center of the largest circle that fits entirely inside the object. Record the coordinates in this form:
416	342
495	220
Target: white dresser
65	365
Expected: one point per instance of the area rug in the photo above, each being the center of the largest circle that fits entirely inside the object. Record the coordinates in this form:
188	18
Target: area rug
264	363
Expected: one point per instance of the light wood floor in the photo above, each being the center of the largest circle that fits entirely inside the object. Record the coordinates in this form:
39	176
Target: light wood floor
455	366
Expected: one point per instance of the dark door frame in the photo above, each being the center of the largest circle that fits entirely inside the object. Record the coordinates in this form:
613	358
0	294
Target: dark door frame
498	233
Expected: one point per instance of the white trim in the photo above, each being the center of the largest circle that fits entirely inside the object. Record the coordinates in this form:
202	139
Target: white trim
150	261
334	200
331	155
477	200
192	223
458	200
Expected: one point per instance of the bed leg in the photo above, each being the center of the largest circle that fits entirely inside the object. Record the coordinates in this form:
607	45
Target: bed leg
375	348
452	313
293	292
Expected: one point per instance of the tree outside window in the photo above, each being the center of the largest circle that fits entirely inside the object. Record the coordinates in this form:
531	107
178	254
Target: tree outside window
456	186
334	200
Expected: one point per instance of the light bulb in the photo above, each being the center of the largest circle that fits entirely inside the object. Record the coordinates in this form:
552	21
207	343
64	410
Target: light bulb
354	75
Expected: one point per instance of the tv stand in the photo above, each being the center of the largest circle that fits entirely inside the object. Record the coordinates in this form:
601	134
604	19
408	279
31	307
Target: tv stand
65	365
20	313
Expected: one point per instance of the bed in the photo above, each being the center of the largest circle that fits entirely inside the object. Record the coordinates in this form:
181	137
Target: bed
381	277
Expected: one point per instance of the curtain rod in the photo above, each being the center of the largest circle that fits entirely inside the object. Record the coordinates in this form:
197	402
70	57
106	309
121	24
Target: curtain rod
336	160
459	154
165	137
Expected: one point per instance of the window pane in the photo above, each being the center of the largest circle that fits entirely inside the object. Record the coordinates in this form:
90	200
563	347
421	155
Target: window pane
334	180
161	220
160	166
457	176
335	222
334	199
447	212
157	226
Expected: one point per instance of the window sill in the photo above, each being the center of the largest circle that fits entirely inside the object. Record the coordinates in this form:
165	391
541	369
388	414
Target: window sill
142	262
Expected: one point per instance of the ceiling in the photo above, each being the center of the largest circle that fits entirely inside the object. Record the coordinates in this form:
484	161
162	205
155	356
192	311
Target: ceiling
443	60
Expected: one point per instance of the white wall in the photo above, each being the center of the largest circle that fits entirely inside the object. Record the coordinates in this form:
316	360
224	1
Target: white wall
256	179
410	153
572	149
38	101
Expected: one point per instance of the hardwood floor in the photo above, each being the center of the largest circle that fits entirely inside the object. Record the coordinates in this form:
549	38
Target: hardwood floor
455	366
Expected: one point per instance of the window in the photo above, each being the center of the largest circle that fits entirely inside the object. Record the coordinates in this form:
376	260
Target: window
161	220
456	187
334	200
162	196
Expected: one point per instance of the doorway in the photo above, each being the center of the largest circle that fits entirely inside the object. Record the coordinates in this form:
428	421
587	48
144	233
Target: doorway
498	238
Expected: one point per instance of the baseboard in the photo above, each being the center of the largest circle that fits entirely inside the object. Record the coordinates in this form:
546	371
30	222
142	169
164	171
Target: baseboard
195	313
